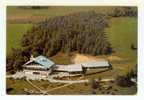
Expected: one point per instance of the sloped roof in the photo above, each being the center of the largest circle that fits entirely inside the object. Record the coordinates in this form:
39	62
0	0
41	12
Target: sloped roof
74	67
45	62
61	68
99	63
69	68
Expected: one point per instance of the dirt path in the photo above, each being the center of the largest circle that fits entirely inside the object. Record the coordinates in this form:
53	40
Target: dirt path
38	88
80	58
25	19
61	86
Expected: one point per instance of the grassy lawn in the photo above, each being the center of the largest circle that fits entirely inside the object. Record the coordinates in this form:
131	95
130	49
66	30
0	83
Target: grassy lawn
121	34
17	15
14	35
85	89
53	11
18	86
46	85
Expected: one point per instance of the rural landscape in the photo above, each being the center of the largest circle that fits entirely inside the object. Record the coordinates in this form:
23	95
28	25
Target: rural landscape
71	50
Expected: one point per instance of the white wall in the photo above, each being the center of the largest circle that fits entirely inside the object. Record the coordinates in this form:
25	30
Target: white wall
42	73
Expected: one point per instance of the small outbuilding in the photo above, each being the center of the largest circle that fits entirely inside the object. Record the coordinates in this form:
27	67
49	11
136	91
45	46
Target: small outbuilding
96	64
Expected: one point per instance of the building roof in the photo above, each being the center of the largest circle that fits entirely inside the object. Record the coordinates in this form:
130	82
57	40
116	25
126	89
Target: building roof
78	67
61	68
69	68
47	63
99	63
74	68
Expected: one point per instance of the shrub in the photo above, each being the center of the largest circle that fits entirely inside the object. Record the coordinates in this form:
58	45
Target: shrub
9	89
95	84
124	81
124	12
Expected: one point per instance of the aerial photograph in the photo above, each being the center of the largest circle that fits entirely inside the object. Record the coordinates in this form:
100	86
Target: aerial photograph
71	50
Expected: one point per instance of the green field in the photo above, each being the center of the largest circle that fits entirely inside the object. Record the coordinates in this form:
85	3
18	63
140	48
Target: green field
121	34
14	35
17	15
18	86
55	10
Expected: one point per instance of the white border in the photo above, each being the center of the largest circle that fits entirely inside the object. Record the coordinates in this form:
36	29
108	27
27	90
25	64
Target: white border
72	2
137	3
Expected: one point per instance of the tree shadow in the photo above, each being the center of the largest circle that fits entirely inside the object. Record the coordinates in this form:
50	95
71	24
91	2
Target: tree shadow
105	70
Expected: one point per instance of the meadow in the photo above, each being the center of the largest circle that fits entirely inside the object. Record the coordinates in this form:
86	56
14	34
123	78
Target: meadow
14	35
121	34
53	11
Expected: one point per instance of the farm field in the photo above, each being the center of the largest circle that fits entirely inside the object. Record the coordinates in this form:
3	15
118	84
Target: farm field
14	35
121	33
15	15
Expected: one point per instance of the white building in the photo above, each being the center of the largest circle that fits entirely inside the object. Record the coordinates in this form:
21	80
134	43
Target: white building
39	66
82	67
71	69
96	64
42	66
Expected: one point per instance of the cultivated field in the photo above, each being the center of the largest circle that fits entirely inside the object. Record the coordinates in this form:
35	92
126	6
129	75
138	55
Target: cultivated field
15	15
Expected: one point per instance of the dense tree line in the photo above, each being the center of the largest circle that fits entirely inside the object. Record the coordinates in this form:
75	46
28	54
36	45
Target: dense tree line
126	80
124	12
33	7
82	32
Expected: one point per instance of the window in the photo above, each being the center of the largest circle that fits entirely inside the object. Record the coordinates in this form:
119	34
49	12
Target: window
37	73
